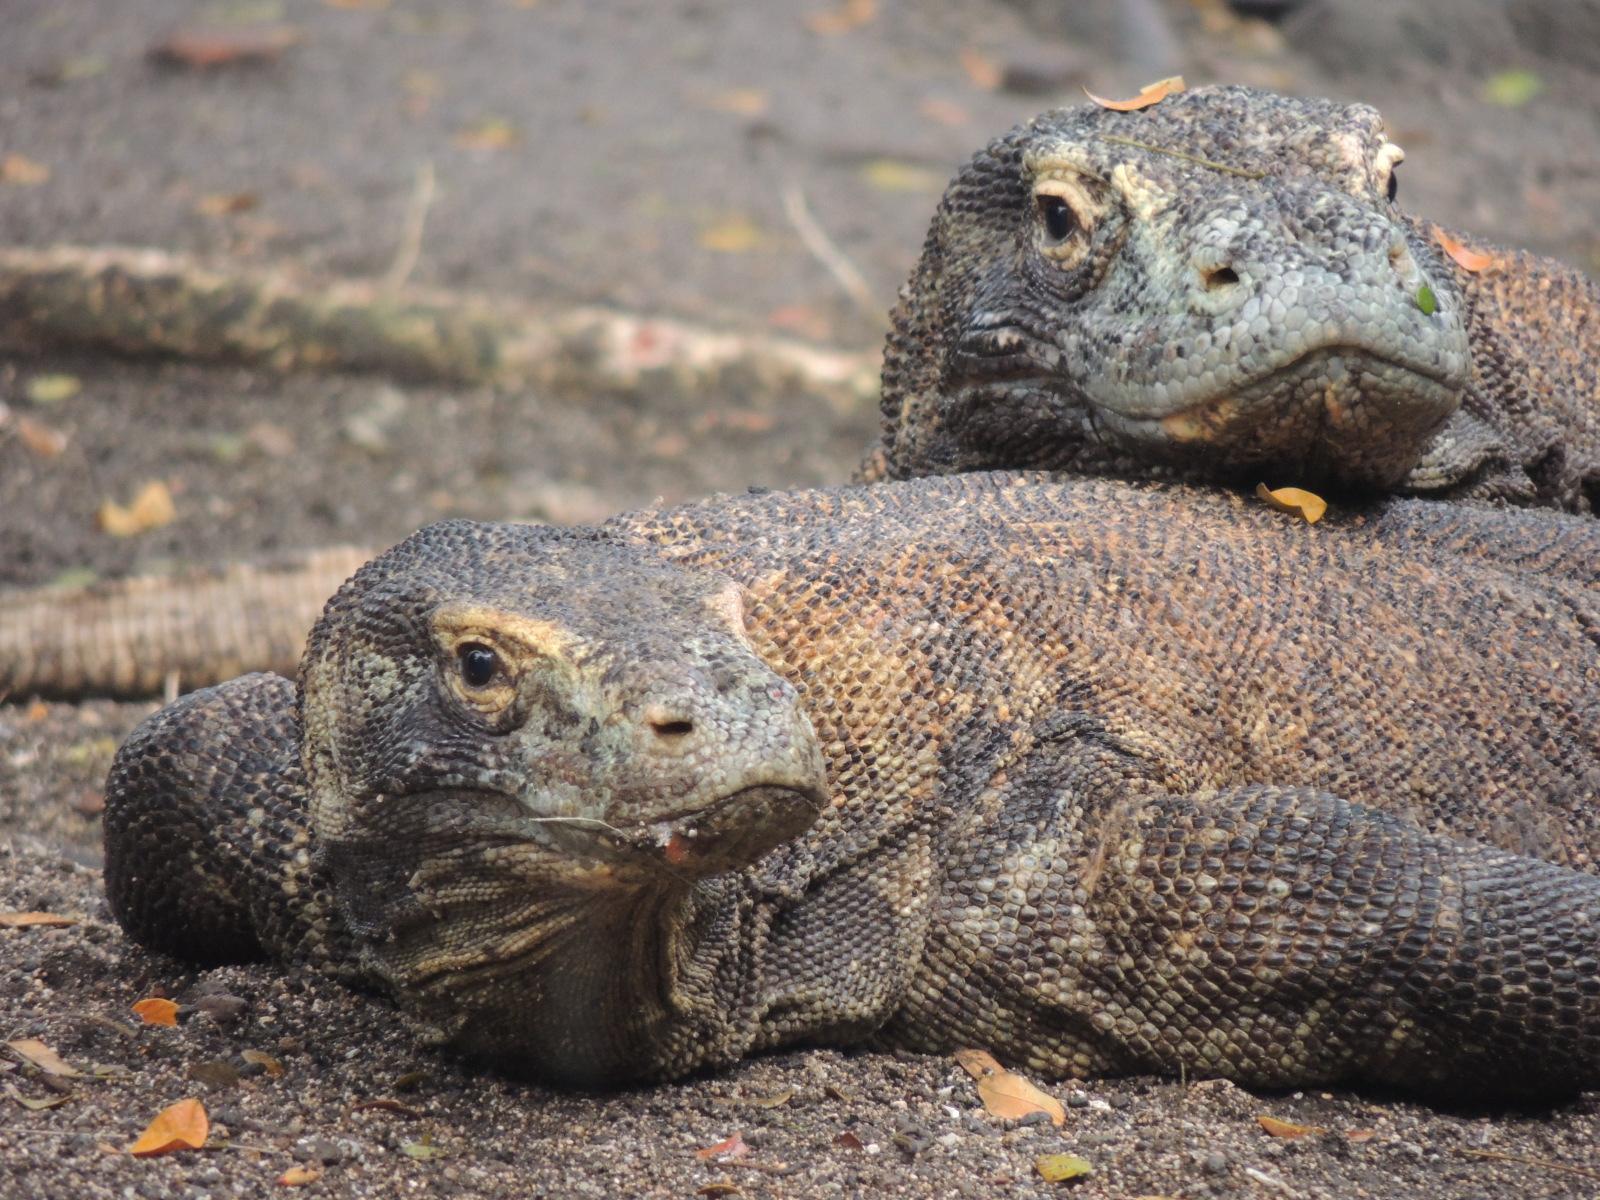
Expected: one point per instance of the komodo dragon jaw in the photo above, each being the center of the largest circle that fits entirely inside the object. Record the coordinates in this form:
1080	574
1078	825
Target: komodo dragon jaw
569	746
1217	285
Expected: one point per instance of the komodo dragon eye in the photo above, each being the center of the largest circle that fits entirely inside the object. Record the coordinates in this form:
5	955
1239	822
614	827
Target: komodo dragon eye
1060	222
1394	185
479	664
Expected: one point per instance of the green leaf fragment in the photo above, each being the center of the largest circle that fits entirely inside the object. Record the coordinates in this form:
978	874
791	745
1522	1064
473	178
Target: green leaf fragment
52	389
1513	88
1058	1168
1426	301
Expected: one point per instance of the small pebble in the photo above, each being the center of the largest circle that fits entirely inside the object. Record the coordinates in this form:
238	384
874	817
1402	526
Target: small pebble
1215	1163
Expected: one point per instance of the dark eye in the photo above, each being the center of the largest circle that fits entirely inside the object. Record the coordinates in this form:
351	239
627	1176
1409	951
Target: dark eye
1060	222
1394	185
478	664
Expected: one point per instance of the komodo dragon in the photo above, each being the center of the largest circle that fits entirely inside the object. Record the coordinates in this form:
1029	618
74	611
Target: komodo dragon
1102	777
1220	287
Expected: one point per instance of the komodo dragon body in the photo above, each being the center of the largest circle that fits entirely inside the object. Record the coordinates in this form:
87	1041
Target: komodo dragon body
1219	287
1102	777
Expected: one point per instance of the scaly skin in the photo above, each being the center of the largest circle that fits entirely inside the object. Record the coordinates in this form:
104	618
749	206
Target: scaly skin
1219	287
1110	778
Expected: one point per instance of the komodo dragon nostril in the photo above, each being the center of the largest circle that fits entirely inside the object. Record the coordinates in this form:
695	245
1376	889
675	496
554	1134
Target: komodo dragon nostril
665	723
1221	277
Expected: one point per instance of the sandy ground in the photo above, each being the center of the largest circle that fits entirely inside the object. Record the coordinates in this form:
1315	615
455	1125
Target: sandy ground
634	155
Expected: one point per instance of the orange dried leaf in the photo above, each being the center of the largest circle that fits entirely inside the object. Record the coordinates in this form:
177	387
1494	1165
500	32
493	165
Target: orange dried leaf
41	1056
184	1126
273	1066
1467	260
195	48
981	70
298	1177
151	509
14	168
156	1011
491	133
1153	93
1360	1135
943	111
852	14
41	439
1285	1129
18	920
220	204
1296	502
977	1063
730	1147
1011	1097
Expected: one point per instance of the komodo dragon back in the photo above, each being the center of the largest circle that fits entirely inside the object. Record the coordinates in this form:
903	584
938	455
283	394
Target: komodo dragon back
1220	287
1102	777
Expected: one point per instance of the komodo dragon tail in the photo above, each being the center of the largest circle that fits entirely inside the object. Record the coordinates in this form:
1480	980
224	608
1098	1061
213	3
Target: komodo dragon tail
136	637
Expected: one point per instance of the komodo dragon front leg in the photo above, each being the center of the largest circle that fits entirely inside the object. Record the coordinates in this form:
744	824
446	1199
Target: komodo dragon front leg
1274	936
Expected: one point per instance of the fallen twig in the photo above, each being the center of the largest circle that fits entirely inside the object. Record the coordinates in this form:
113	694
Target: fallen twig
838	264
405	258
1526	1161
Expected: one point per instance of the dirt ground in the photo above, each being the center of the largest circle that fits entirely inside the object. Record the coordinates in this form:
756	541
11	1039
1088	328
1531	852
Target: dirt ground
637	155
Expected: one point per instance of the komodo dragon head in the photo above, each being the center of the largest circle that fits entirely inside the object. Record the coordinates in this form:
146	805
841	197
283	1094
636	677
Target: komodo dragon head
527	750
1214	284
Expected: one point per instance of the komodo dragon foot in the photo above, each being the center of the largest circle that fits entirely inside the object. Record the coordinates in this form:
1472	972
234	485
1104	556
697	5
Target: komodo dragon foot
1102	778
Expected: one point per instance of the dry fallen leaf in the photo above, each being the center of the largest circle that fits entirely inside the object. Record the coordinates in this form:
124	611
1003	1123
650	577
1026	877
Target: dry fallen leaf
220	204
41	1056
852	14
14	168
742	102
43	440
1153	93
199	48
491	133
29	1102
1467	260
1005	1094
943	111
157	1011
723	1187
17	920
1057	1168
151	509
776	1100
184	1126
1285	1129
848	1140
891	175
730	1147
216	1072
275	1068
981	70
1295	501
299	1177
734	234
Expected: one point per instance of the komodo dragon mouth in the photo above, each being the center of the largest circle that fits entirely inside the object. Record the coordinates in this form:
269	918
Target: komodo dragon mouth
1339	414
704	838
